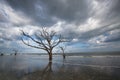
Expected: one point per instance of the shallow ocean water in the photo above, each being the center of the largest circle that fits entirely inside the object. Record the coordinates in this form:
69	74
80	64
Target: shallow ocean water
36	67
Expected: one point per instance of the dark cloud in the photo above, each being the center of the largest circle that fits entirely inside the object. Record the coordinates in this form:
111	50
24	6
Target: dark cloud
110	12
99	31
85	36
113	37
114	9
3	16
68	10
46	12
32	9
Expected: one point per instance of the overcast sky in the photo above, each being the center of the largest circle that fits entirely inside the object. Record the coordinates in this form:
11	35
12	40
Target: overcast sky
92	25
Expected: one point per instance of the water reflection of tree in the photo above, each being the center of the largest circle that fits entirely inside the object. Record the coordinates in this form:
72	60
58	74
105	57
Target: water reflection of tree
45	74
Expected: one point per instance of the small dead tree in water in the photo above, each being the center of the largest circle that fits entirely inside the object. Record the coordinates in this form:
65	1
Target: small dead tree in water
15	51
63	51
45	40
1	54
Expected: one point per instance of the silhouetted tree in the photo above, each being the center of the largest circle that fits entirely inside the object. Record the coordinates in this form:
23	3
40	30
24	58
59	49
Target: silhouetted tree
63	51
45	40
15	51
1	54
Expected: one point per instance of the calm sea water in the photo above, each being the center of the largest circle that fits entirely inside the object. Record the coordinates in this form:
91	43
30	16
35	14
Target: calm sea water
36	67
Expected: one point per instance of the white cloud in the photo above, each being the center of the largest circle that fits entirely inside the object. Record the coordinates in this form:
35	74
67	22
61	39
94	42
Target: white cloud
11	16
30	29
75	40
97	40
90	24
58	26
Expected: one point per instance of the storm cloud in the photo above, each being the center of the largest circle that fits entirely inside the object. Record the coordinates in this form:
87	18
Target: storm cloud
47	12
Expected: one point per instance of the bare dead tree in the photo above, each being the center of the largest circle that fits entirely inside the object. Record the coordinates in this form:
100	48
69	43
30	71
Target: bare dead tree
15	51
45	40
63	51
1	54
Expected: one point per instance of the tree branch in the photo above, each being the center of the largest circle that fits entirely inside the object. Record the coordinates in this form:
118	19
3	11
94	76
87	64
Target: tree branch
32	45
